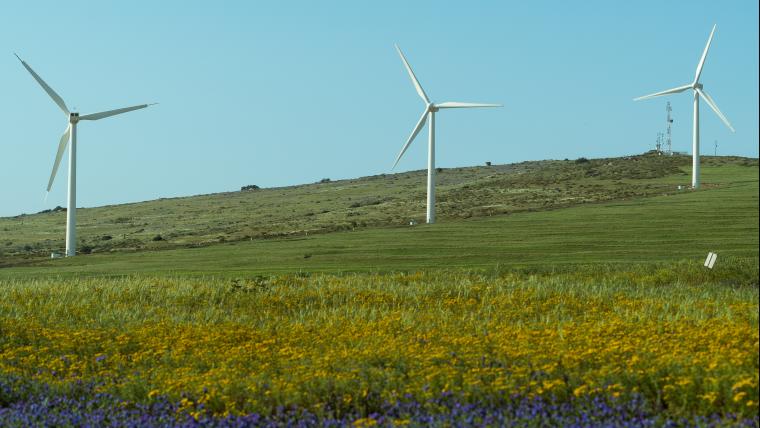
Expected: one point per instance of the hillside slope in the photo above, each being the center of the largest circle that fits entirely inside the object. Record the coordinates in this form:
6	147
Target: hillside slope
377	201
657	229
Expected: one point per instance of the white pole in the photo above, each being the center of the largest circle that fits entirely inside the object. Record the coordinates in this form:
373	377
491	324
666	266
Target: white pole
431	170
695	145
71	209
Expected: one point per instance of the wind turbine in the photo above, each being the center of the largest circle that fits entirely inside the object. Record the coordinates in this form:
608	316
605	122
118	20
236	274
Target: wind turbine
430	110
71	134
699	91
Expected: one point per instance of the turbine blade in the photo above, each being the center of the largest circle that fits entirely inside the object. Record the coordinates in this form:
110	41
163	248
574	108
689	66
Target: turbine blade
417	85
667	92
61	148
56	98
704	55
454	104
109	113
416	131
715	108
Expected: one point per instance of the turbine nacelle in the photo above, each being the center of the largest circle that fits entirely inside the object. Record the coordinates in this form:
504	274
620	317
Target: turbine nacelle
73	118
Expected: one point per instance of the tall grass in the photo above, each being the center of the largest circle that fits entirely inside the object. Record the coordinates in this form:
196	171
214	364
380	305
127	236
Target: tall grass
121	301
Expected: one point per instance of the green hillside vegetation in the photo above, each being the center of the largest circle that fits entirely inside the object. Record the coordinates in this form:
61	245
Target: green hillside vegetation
369	202
634	220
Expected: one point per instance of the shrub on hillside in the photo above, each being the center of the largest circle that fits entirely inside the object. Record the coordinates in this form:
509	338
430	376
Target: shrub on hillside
54	210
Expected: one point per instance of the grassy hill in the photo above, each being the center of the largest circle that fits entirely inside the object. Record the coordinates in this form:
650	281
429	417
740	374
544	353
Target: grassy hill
622	210
384	200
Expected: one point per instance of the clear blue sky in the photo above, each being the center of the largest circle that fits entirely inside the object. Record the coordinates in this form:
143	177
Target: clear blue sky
281	93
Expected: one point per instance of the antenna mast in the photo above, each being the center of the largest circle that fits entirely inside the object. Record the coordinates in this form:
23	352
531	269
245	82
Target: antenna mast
658	145
668	138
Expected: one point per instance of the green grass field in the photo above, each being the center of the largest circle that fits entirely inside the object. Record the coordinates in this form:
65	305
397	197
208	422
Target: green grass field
722	218
358	204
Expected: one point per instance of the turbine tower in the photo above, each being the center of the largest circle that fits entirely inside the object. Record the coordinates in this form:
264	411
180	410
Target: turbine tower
699	91
429	113
71	134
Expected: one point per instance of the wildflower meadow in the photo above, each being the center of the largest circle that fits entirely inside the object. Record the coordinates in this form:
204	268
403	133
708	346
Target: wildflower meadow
593	345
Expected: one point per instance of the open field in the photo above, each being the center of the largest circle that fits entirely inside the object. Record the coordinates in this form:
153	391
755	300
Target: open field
658	229
365	203
595	313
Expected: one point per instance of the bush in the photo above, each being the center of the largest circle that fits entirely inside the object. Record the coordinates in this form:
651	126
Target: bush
250	187
372	200
54	210
581	160
158	238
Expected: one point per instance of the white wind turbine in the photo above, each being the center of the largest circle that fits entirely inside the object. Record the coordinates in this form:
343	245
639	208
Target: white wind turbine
71	133
430	110
698	92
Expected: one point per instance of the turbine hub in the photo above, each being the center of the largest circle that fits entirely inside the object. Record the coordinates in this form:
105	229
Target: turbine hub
432	107
697	85
73	118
